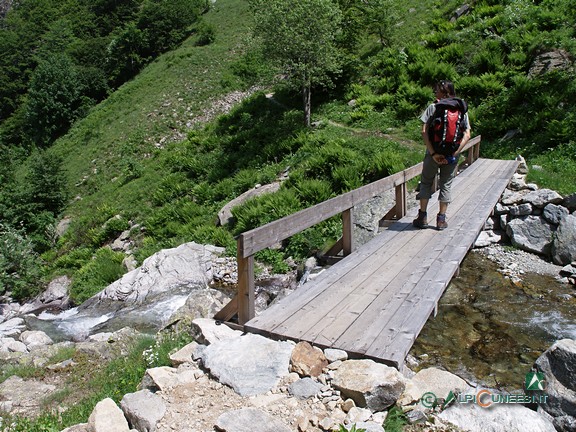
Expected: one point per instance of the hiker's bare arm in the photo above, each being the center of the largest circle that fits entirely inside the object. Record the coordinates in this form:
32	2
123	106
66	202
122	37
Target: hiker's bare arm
465	139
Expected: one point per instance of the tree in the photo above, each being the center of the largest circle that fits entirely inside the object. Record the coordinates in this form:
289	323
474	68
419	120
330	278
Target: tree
381	16
300	37
53	99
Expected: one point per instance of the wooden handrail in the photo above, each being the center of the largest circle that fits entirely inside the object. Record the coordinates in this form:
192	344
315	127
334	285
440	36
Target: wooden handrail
260	238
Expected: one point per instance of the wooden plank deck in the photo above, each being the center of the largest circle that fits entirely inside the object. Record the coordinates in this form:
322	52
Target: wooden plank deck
375	301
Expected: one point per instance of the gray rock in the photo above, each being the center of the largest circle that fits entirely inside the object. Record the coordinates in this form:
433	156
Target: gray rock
333	355
208	331
12	327
531	234
498	418
518	182
510	198
107	417
565	424
304	388
542	197
570	202
521	210
225	214
564	245
12	345
370	384
558	363
501	209
503	221
433	380
522	167
184	354
249	420
554	213
486	238
143	410
568	270
35	338
250	364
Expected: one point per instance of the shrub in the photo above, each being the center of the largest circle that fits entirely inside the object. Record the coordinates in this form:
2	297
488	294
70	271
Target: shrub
20	266
105	268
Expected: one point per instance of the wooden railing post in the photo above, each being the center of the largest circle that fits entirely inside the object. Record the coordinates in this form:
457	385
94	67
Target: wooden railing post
347	231
401	200
245	284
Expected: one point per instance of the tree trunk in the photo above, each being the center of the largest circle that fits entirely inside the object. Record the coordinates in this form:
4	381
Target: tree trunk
307	105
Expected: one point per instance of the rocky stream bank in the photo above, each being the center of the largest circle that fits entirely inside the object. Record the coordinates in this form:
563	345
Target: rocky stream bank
229	381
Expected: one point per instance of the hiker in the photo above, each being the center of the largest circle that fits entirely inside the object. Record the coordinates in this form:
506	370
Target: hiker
445	130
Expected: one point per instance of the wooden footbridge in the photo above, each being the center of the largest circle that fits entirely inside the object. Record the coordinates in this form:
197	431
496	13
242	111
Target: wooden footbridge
375	300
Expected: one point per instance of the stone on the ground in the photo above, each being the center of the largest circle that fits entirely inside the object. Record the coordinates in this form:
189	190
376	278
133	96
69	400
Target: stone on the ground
570	202
531	233
307	360
35	338
497	418
486	238
434	380
558	363
249	420
564	244
184	354
333	355
555	213
107	417
371	385
143	410
165	378
542	197
12	327
208	331
250	364
304	388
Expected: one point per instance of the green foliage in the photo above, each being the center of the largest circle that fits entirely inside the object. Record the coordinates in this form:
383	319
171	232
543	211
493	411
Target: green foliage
53	99
395	420
206	33
274	258
103	269
300	36
20	266
265	208
343	428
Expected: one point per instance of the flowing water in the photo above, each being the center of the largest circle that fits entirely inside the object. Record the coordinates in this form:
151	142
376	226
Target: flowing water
490	330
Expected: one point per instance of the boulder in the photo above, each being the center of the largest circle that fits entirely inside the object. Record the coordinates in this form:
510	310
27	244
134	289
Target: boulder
564	244
304	388
12	327
554	213
371	385
333	355
143	410
434	380
570	202
531	233
558	364
521	210
512	198
498	418
35	338
540	198
307	360
107	417
250	364
208	331
225	214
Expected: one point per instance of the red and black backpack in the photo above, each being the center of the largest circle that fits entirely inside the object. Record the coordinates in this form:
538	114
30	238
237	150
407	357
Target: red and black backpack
446	126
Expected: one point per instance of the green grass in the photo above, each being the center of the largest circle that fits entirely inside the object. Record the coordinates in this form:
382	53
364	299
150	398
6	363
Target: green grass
91	379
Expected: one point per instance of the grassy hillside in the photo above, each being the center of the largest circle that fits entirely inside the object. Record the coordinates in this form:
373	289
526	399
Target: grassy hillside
155	158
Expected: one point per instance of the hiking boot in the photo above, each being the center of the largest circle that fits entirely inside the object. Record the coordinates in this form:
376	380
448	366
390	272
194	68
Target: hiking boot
421	221
441	222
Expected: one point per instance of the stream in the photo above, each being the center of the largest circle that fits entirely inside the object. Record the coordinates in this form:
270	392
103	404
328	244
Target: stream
490	330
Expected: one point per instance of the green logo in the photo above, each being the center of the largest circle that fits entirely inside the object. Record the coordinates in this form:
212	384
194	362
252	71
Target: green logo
534	381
